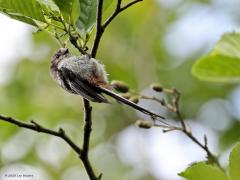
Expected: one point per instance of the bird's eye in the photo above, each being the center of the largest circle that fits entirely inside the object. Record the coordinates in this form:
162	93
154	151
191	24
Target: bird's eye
66	51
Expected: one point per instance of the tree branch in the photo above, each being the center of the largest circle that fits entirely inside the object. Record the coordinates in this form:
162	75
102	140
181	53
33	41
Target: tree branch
74	42
118	10
174	107
87	107
38	128
82	153
211	157
87	125
86	139
101	27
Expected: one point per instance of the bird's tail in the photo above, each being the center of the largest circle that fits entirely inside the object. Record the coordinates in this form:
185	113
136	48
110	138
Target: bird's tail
129	103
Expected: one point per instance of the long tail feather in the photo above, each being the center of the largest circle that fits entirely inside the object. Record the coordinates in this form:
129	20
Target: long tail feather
129	103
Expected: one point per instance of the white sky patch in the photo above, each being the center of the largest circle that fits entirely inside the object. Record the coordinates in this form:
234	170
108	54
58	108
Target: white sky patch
197	28
52	151
164	155
235	102
23	171
74	172
216	114
170	3
227	4
154	106
224	157
17	147
15	44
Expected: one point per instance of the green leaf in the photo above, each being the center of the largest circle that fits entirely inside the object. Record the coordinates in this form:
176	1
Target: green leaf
106	4
234	163
229	45
222	64
27	8
88	12
51	11
65	6
218	68
21	18
49	4
230	136
203	171
70	10
75	11
87	17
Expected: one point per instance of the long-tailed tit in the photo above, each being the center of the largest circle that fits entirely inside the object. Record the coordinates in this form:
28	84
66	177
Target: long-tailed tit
85	76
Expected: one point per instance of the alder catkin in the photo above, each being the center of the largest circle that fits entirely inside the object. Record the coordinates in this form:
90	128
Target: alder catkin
120	86
144	124
134	99
157	87
126	95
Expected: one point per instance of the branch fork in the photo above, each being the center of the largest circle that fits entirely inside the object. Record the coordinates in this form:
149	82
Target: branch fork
83	151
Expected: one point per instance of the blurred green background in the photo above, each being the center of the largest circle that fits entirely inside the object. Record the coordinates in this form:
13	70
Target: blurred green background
154	41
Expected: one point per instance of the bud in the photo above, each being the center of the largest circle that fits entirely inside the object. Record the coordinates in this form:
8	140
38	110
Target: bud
134	99
157	87
144	124
120	86
125	95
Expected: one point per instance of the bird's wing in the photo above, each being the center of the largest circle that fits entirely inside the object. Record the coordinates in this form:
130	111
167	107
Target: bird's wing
82	87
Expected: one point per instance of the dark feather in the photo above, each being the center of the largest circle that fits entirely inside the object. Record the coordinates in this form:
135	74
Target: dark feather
93	93
82	87
130	103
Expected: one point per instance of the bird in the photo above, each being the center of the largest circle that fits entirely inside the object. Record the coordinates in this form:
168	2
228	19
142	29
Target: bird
87	77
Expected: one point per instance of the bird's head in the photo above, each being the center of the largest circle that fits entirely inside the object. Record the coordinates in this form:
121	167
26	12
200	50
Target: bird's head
60	54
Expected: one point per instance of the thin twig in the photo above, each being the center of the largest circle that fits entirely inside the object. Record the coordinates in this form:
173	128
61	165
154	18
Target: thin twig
99	28
177	96
74	41
114	14
58	39
86	139
38	128
87	106
118	10
82	153
55	26
211	157
174	107
129	5
87	125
